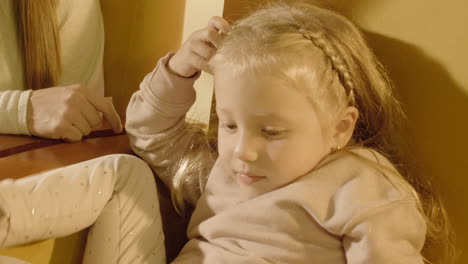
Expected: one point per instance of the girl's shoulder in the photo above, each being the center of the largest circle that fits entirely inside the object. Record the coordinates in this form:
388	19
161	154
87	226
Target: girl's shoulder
355	180
364	165
356	156
353	184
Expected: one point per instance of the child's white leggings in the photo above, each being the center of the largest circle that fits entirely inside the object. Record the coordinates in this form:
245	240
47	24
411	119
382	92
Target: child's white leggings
116	194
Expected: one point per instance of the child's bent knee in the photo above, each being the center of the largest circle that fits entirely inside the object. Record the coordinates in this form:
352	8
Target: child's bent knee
133	164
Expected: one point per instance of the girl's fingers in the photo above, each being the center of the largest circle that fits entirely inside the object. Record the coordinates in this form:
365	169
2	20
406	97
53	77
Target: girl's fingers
219	24
207	35
197	61
212	36
197	50
203	50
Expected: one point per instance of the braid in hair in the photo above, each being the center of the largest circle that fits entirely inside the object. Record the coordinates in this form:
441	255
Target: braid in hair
336	60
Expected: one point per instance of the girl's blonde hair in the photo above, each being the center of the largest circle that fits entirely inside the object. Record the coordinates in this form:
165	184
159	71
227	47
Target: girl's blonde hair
40	43
309	46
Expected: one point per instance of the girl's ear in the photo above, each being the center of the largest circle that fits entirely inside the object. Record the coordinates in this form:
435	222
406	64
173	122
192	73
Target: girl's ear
344	127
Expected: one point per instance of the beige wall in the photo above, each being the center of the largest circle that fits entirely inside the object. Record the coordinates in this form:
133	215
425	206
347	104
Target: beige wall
197	14
424	46
138	33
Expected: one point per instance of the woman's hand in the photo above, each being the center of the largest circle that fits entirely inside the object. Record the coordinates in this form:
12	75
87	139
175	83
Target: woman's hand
68	113
199	48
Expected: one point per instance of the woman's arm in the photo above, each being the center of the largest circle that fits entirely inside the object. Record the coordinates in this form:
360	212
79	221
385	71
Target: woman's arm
13	112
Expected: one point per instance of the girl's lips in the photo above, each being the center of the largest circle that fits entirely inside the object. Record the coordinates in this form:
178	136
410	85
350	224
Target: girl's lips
247	179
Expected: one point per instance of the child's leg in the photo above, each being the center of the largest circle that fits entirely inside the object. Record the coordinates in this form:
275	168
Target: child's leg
118	192
133	211
10	260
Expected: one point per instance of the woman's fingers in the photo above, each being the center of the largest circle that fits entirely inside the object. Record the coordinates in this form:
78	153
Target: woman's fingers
106	107
82	124
72	134
90	113
103	105
68	112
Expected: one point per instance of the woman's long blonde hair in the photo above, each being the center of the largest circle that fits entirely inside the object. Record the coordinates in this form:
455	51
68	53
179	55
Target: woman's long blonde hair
40	43
310	45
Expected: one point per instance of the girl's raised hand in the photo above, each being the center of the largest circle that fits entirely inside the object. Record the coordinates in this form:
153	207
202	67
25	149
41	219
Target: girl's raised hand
199	47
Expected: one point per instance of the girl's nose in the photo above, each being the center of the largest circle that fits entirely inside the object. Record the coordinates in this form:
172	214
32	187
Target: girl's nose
245	149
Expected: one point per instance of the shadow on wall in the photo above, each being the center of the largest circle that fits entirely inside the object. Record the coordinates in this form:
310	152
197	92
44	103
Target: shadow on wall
436	107
236	9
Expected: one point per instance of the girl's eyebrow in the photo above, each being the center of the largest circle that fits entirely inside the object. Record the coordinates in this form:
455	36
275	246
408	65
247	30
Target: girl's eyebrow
270	116
274	117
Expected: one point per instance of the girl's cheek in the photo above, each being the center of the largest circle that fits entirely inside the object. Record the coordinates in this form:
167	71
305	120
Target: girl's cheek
277	150
224	144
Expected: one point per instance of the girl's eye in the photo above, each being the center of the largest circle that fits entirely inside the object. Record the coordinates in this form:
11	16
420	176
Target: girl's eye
230	127
268	132
272	132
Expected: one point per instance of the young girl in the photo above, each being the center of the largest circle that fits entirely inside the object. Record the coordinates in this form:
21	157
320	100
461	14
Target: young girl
304	166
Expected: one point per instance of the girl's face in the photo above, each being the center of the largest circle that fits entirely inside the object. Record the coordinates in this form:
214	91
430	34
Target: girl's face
269	134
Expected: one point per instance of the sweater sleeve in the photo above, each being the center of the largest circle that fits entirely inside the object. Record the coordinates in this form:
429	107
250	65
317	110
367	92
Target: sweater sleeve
156	122
82	42
393	234
13	111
